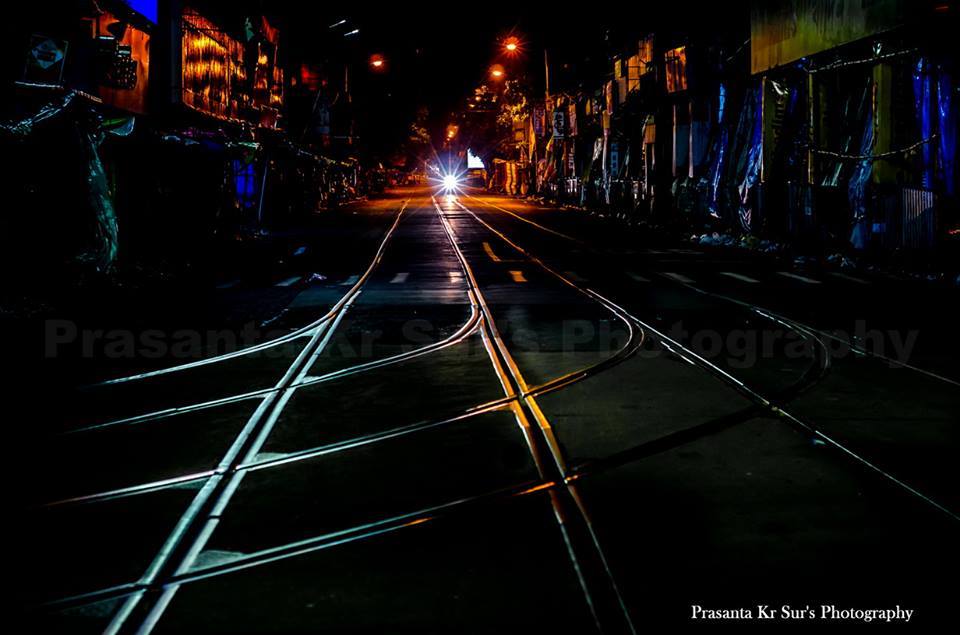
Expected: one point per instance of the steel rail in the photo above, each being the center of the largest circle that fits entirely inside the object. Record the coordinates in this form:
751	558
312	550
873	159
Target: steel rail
660	444
237	474
468	328
545	442
217	488
465	330
462	331
762	311
322	541
772	315
529	222
304	331
772	406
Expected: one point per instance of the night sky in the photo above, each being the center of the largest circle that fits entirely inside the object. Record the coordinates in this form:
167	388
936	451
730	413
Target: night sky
439	52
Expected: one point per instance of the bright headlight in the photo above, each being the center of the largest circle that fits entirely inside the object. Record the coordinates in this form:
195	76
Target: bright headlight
449	182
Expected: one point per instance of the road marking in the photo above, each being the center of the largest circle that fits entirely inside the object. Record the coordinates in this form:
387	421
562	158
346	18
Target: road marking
574	276
487	248
739	276
844	276
787	274
636	277
517	276
400	278
349	282
288	282
455	276
228	285
526	220
678	277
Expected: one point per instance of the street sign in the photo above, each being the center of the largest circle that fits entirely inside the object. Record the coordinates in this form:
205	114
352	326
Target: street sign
45	60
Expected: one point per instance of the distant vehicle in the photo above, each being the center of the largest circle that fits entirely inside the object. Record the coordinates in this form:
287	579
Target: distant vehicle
377	181
415	178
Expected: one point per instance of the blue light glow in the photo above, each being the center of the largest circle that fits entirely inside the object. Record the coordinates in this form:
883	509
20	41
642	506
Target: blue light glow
146	8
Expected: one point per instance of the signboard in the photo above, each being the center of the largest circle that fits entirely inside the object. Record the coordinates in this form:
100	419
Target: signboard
559	124
125	83
614	160
787	30
213	72
45	60
538	116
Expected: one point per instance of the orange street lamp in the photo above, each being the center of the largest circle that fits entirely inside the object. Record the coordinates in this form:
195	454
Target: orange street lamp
511	44
497	72
377	62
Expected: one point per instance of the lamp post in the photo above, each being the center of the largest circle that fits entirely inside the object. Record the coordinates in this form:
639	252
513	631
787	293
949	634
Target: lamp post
512	46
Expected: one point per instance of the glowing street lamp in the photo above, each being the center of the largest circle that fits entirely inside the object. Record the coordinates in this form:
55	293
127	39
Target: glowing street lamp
377	62
511	44
497	72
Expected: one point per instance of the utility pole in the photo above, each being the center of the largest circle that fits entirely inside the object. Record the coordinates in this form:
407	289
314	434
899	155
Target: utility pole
546	71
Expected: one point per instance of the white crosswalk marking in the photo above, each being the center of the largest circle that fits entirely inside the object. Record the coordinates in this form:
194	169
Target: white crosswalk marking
844	276
349	282
400	278
455	276
678	277
288	281
739	276
787	274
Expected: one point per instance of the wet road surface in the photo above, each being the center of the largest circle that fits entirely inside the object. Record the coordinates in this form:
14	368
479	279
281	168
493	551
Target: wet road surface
503	422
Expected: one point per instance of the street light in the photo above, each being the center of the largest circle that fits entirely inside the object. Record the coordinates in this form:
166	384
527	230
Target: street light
511	44
497	72
377	62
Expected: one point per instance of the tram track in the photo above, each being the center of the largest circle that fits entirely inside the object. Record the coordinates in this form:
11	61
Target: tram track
558	480
773	405
191	530
589	562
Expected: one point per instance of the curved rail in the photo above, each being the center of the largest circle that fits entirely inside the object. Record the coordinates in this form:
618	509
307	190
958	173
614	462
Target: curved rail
303	331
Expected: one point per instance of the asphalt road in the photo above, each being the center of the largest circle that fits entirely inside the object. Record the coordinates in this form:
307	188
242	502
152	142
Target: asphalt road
499	418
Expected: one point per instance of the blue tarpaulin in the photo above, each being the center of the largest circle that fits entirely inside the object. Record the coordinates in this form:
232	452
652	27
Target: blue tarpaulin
750	171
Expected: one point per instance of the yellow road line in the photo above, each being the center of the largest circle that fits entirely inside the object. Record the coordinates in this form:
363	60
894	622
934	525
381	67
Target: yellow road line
487	248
